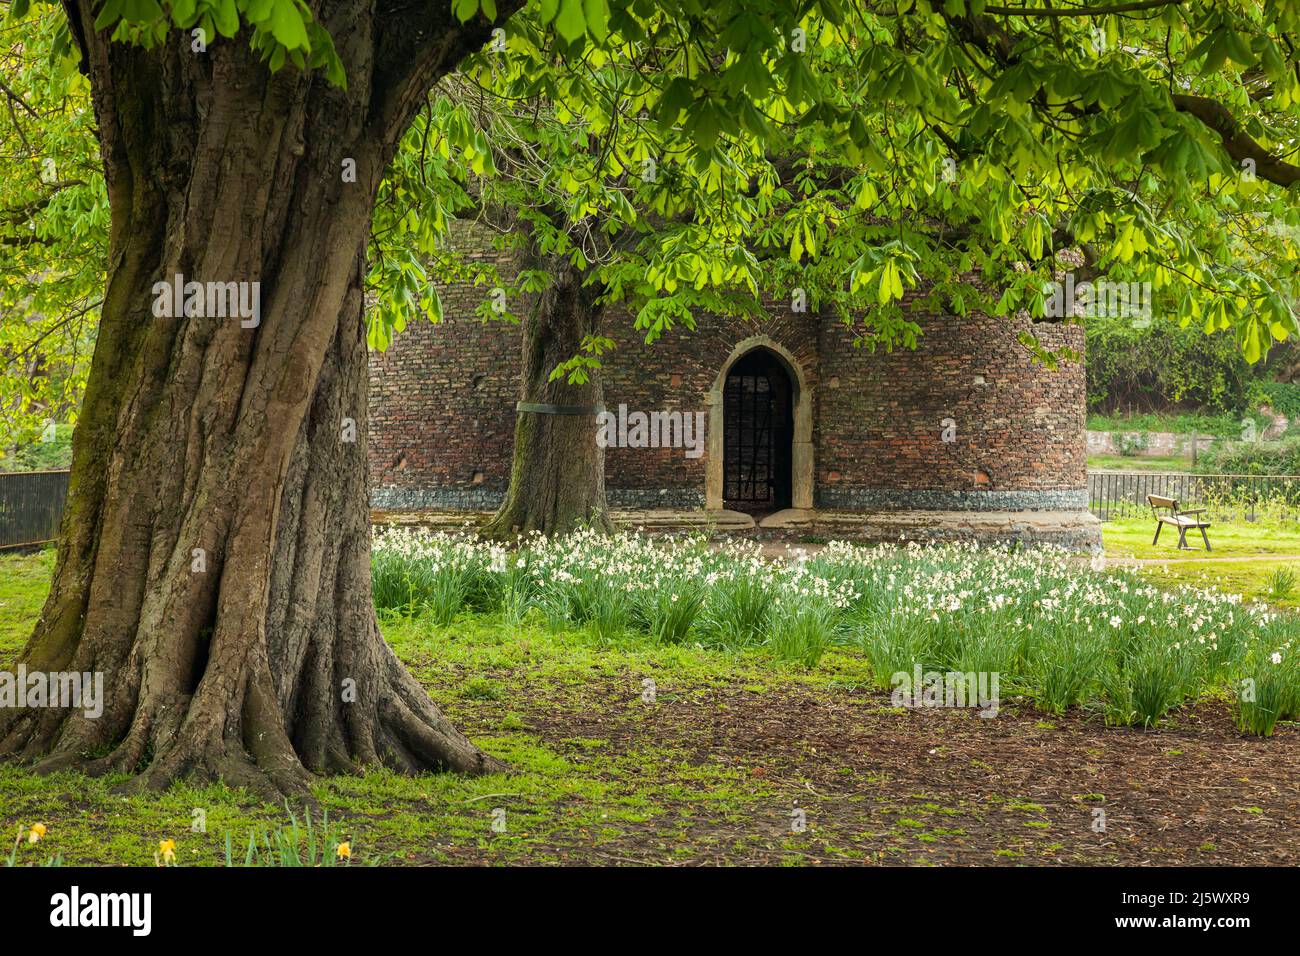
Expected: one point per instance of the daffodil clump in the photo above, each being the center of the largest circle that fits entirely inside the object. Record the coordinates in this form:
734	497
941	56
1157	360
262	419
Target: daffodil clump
1058	632
284	846
29	835
437	574
166	855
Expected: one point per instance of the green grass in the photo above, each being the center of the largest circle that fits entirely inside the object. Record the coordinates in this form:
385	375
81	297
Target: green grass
24	581
568	799
1139	463
1255	579
1131	537
1251	579
549	798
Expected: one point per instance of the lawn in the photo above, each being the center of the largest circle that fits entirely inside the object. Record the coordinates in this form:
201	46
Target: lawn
1256	561
707	744
23	583
1131	538
1255	580
1139	463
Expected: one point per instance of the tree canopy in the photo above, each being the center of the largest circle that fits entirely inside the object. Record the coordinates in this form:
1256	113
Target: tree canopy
848	152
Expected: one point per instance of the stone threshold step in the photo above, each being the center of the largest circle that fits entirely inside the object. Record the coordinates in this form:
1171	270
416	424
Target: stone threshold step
1069	527
649	519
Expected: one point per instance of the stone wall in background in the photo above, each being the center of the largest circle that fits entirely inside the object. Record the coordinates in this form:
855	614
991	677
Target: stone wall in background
1148	444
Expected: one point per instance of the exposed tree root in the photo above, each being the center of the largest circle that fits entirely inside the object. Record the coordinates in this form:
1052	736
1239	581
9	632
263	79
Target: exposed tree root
397	727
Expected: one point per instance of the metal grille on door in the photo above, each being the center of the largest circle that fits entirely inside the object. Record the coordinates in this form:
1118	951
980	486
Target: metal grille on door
749	454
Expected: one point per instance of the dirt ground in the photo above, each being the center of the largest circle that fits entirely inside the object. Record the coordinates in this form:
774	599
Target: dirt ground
887	786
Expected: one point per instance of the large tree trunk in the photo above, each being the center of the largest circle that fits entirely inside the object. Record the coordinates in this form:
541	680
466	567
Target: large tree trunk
258	657
557	474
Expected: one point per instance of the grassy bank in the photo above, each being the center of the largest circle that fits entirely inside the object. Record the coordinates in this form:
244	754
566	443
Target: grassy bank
1132	538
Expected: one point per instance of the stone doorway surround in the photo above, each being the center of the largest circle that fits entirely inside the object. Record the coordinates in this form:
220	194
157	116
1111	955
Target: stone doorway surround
801	449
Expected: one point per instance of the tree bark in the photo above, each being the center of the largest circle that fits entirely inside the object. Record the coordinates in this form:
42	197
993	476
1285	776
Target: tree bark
557	472
214	561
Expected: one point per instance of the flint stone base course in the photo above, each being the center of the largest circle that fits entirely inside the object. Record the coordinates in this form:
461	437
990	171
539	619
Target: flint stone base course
487	499
682	499
1071	529
436	499
872	499
676	499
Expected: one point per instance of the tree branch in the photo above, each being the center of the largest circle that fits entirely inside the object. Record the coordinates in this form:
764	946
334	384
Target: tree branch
1235	141
984	34
416	43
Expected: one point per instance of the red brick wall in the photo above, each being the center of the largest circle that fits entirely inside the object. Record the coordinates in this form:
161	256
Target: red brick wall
442	401
1018	427
442	412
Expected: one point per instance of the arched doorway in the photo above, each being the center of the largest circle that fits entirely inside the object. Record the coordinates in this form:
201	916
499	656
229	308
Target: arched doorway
758	432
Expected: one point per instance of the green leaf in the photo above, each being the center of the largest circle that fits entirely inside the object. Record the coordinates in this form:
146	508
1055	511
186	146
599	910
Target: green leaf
287	26
109	14
571	24
141	11
1251	349
226	17
596	13
336	72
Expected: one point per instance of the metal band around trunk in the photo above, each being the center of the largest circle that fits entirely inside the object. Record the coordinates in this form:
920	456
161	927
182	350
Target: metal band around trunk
541	408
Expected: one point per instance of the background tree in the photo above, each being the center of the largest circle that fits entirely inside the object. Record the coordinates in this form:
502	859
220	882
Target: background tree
598	204
53	235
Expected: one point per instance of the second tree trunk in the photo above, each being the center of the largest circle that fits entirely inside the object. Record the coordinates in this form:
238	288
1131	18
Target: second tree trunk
557	474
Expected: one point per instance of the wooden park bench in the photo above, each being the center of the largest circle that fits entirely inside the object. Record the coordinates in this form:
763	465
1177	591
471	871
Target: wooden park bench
1166	512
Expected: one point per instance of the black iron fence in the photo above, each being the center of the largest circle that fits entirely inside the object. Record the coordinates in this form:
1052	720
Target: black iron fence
31	504
1116	494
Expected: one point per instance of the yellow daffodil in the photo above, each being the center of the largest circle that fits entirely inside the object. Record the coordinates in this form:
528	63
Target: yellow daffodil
36	832
344	851
167	849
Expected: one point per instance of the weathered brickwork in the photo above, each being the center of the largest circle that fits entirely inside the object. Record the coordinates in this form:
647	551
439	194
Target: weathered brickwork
442	413
442	405
1015	430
